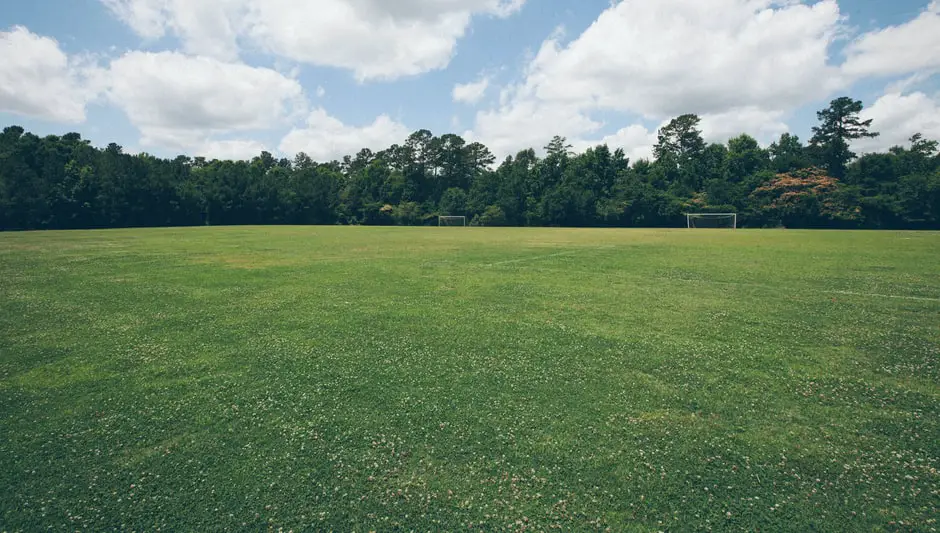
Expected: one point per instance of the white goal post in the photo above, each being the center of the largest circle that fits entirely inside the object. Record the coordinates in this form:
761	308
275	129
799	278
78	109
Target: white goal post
451	221
711	220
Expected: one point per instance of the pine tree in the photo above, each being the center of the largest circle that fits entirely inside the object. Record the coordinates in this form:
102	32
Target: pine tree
839	124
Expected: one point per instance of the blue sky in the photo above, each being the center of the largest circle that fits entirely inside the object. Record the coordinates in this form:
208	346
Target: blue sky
227	78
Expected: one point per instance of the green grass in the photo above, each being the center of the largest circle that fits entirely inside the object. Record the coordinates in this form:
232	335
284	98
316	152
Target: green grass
451	379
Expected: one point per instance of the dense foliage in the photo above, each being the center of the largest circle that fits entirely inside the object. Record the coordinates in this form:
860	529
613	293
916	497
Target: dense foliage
64	182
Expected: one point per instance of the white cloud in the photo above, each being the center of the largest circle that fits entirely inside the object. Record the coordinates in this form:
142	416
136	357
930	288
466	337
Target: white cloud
38	79
898	50
720	59
529	123
471	93
897	117
764	125
147	18
326	138
321	92
235	149
180	102
205	27
904	85
375	39
671	57
636	141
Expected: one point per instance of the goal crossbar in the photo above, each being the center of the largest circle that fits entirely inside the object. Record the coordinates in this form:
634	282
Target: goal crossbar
689	217
451	221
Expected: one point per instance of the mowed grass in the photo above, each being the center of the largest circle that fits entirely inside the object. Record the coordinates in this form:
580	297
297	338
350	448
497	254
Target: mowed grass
357	379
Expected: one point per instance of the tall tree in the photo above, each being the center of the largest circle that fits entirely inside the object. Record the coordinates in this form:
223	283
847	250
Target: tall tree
452	169
805	198
839	124
681	139
558	147
678	151
788	154
63	182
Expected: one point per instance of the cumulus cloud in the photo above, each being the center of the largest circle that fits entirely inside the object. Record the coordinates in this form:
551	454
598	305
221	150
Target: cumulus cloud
205	27
664	58
742	65
636	141
721	59
472	92
897	117
375	39
897	50
765	125
233	149
180	102
38	79
325	138
529	122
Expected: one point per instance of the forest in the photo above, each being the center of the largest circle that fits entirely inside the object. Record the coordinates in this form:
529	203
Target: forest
63	182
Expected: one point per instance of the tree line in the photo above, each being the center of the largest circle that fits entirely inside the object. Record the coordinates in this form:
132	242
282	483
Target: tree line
62	182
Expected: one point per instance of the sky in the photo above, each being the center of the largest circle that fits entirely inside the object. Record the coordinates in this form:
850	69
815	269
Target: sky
230	78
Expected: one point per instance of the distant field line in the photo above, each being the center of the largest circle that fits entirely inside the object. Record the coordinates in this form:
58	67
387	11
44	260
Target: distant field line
548	256
824	291
894	296
532	258
739	283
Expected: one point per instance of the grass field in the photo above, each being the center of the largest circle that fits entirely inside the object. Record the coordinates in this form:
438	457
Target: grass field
383	379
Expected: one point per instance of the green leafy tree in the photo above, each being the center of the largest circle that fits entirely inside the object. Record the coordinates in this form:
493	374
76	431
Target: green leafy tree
678	151
788	153
745	158
492	216
681	139
454	202
919	200
64	182
407	214
839	124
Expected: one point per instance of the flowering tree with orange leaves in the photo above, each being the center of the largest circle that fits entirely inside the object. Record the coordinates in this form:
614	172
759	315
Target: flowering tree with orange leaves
805	198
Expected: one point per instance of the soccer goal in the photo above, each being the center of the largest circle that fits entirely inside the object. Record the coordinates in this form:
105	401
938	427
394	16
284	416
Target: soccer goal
711	220
451	221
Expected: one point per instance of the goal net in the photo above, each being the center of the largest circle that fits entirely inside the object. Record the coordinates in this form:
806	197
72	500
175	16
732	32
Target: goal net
712	220
451	221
